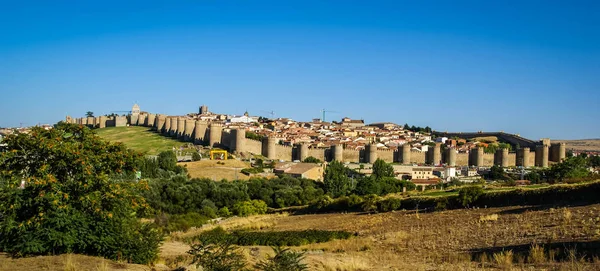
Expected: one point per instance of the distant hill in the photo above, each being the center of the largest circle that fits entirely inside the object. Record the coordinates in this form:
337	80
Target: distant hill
581	144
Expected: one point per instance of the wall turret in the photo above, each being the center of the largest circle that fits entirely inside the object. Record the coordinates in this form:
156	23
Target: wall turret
451	156
200	131
180	128
542	153
269	150
371	153
151	121
160	123
102	122
338	152
406	153
523	157
167	129
303	151
476	157
215	134
188	134
239	139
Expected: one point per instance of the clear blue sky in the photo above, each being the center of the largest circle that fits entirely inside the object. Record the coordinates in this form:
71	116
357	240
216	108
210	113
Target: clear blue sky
528	67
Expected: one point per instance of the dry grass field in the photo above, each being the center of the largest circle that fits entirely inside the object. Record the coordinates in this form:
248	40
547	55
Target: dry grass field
510	238
217	169
582	145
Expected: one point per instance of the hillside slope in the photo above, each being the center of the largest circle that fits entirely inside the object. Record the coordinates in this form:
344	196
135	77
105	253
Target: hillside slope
140	139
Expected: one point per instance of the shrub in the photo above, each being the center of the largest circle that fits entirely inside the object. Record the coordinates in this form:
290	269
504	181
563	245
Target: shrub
251	170
389	204
217	257
196	156
283	260
224	212
370	203
182	222
252	207
469	194
273	238
311	159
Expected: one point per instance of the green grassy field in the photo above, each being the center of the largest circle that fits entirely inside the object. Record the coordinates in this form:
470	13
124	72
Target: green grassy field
140	139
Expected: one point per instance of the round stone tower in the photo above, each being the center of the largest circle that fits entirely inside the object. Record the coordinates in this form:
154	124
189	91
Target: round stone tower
504	157
160	123
541	156
338	152
172	124
372	153
406	153
190	126
271	142
180	128
562	151
523	157
303	151
167	129
437	154
215	134
102	122
479	157
200	131
151	121
451	156
476	157
240	138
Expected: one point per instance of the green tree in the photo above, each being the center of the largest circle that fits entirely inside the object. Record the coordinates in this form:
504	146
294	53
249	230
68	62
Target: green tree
572	167
381	169
283	260
167	160
497	173
223	256
367	185
89	114
311	159
196	156
68	191
468	195
336	180
252	207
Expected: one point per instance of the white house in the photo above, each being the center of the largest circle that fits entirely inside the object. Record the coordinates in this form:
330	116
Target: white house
243	119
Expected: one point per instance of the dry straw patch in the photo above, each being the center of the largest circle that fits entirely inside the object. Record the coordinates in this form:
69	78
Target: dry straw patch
486	218
69	263
339	263
504	259
257	222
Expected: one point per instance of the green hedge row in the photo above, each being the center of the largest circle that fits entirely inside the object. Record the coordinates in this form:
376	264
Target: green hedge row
587	193
270	238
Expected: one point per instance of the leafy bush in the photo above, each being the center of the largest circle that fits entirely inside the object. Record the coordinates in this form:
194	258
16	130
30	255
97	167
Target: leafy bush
217	257
370	203
171	223
389	204
253	207
252	170
273	238
311	159
196	156
76	198
469	194
283	260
